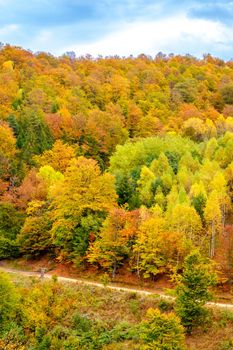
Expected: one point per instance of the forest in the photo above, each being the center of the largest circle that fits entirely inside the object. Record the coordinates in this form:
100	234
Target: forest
117	163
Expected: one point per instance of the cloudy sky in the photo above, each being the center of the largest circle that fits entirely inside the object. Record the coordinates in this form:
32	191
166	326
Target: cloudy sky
119	27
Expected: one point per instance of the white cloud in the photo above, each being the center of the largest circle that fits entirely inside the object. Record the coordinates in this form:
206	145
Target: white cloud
9	29
44	37
178	34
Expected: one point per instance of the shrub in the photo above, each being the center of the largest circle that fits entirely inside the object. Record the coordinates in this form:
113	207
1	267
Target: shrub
162	332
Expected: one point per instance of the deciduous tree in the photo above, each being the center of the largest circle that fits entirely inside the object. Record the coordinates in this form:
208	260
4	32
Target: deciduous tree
83	198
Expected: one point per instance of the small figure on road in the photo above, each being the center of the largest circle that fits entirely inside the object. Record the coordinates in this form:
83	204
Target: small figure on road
42	272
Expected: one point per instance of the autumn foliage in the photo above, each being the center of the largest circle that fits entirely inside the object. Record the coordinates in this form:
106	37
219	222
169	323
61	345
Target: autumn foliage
115	161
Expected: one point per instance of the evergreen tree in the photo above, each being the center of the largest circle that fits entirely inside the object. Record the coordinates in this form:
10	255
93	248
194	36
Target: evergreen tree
193	290
34	136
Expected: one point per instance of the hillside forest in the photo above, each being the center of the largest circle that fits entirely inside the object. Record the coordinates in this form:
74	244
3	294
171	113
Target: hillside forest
116	162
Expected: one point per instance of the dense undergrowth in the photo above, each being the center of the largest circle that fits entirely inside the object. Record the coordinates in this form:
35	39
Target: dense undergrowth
50	315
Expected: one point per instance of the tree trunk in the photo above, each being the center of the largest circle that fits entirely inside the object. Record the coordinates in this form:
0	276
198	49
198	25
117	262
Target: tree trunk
212	241
138	271
114	269
223	210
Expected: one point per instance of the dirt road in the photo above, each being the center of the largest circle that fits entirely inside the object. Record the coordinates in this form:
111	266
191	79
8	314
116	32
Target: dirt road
109	286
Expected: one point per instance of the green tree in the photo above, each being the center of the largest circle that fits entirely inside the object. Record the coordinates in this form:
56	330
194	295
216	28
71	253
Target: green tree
49	176
187	90
193	290
160	154
34	136
11	222
227	93
145	183
210	148
9	299
198	198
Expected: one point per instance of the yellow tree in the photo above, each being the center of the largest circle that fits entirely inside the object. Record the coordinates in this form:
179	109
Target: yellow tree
8	88
161	165
162	331
213	218
157	250
163	172
35	237
210	148
189	162
229	177
219	184
79	205
184	218
113	244
58	157
172	198
7	153
195	128
211	130
185	178
7	141
160	199
208	171
147	259
145	183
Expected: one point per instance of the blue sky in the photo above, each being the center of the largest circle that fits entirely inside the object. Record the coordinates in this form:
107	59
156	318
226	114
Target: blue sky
119	27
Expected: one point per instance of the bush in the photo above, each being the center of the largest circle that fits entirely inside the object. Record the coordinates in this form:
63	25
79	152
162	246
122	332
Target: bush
226	345
13	334
227	315
8	248
8	300
81	323
162	332
165	305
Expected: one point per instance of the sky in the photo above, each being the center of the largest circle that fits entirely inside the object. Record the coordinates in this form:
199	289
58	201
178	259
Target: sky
119	27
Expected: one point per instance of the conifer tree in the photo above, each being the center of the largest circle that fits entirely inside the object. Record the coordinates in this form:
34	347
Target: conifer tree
193	290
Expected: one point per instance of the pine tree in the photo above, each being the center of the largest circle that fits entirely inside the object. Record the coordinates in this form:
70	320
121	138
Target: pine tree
193	290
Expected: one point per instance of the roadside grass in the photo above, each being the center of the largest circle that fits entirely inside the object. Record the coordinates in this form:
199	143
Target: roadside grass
118	311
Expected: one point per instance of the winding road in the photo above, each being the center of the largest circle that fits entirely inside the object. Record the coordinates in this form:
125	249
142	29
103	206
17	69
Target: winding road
109	286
